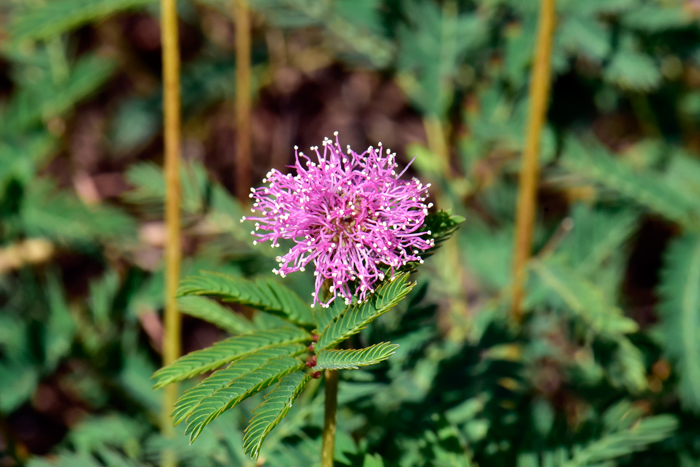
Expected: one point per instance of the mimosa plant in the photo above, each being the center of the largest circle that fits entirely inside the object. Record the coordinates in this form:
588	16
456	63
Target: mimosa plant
364	229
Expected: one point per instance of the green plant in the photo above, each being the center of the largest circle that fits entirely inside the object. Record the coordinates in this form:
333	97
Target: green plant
288	355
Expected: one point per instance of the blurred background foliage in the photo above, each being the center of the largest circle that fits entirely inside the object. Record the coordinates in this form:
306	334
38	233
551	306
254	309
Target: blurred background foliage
604	370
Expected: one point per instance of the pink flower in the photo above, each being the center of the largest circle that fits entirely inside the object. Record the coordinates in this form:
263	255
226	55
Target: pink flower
349	214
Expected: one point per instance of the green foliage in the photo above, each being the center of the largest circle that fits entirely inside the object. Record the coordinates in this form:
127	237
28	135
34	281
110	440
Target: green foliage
64	218
438	226
353	359
22	366
324	316
625	432
356	316
149	186
209	310
646	189
620	443
18	382
46	96
587	36
612	291
596	236
353	27
633	71
223	378
19	158
69	459
45	21
432	45
225	351
563	288
261	358
268	414
441	225
680	311
237	390
656	18
584	300
60	327
268	295
627	368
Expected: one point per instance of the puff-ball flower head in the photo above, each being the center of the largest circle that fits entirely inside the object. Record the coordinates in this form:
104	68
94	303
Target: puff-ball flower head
350	214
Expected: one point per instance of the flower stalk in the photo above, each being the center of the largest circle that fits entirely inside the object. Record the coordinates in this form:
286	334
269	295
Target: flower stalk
529	173
171	129
241	18
329	418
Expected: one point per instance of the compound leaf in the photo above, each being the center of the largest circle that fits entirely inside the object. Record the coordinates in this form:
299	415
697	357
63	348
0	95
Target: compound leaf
52	18
355	317
353	359
596	164
223	378
636	438
210	311
583	298
268	414
680	313
264	294
226	351
210	407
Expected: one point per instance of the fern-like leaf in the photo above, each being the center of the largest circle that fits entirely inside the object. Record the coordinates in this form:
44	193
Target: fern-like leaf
636	438
596	236
583	299
441	225
631	434
353	27
209	408
634	71
19	158
149	186
324	316
680	312
63	217
226	351
210	311
657	18
353	359
264	294
47	98
268	414
586	301
628	367
432	50
223	378
594	162
53	18
355	317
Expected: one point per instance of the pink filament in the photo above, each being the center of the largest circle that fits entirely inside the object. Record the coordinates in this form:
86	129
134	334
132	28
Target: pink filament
349	214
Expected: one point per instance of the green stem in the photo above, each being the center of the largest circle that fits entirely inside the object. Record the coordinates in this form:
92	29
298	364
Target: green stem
329	418
331	403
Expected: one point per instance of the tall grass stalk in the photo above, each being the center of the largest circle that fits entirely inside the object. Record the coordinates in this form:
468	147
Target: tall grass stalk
241	15
171	128
529	173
